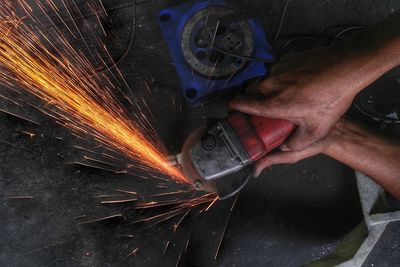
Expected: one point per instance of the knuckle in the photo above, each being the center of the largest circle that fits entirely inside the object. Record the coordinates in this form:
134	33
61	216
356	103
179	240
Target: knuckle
299	146
318	133
269	80
267	84
276	101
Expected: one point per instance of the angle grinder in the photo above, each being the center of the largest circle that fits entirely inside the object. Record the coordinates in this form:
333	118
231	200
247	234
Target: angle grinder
214	157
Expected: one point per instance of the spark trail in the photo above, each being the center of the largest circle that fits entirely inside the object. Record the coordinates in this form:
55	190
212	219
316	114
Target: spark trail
65	80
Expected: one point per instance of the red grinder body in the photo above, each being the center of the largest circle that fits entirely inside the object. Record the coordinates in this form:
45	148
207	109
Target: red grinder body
259	135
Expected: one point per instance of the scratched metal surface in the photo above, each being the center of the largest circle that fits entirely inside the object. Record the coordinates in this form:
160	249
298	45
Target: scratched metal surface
288	217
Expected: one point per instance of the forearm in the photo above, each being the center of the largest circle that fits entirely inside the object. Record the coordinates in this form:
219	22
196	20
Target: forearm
383	37
369	54
370	153
381	40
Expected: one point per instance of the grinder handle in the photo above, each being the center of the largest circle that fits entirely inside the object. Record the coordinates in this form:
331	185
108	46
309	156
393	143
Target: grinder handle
260	135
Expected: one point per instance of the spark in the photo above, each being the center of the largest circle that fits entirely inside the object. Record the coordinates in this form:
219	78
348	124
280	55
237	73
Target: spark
18	116
97	161
7	143
225	227
31	135
118	201
104	218
212	203
133	252
108	196
127	192
58	243
63	78
188	241
98	16
78	97
21	197
175	226
127	236
93	166
179	259
281	20
170	193
178	205
166	247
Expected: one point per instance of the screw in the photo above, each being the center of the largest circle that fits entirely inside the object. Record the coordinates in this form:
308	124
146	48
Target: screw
198	184
208	142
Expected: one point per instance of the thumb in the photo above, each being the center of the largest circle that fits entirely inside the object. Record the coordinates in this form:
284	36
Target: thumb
289	157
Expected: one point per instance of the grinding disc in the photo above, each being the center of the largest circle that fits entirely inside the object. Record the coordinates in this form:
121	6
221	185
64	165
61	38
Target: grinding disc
187	165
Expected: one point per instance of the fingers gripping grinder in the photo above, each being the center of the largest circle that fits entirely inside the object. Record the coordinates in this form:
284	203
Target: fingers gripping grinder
214	158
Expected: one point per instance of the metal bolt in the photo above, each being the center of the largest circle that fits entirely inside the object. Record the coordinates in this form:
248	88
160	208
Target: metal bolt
198	184
201	42
208	142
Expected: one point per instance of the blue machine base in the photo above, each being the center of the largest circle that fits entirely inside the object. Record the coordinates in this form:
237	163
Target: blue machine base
172	21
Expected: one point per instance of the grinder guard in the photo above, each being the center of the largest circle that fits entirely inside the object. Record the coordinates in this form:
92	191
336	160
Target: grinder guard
229	147
226	187
219	153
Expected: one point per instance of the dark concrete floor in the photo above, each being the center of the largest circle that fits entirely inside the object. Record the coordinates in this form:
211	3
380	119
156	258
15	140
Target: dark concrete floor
386	247
289	216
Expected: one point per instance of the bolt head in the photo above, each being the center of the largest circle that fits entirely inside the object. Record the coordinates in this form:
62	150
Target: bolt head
208	142
198	184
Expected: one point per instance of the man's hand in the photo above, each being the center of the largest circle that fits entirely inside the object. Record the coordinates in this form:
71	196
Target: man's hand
310	89
313	89
290	157
342	130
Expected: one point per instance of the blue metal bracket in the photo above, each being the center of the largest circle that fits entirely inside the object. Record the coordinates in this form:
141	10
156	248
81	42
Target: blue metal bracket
197	87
